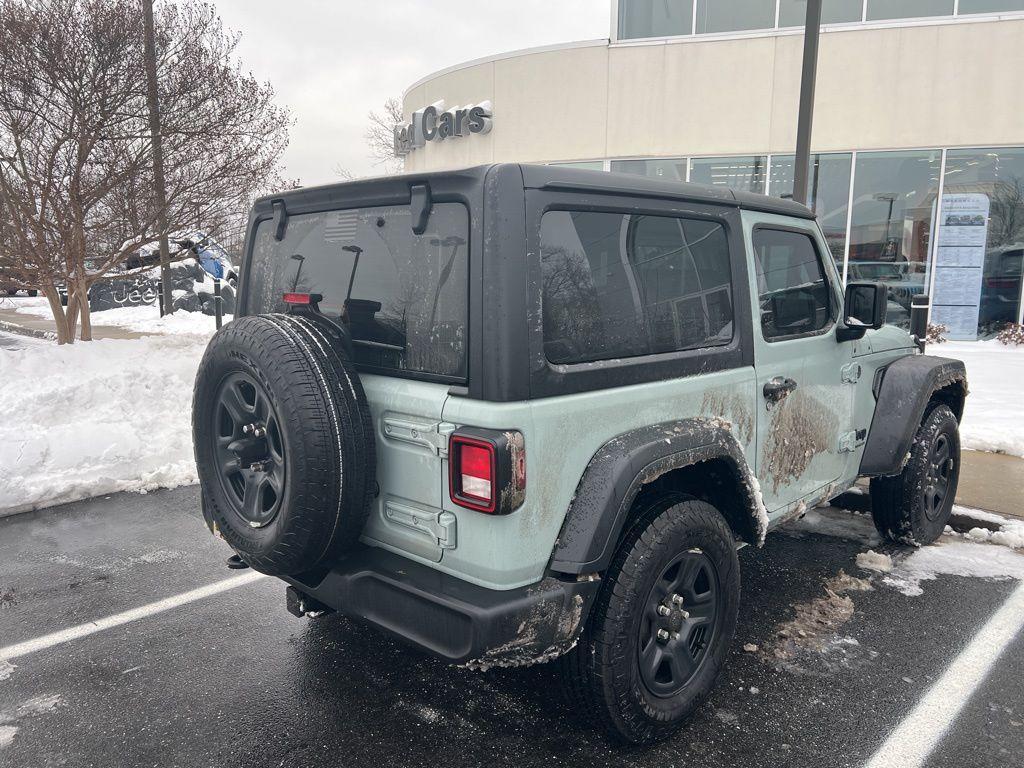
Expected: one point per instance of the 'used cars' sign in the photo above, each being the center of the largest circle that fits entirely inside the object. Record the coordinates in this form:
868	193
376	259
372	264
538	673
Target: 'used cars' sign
435	122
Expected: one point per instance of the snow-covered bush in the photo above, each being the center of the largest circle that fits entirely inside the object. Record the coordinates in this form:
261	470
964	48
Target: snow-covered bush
936	333
1012	335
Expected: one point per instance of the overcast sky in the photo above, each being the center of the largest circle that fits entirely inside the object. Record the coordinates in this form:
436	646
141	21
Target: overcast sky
332	62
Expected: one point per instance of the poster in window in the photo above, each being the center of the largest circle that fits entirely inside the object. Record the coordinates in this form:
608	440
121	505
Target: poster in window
959	259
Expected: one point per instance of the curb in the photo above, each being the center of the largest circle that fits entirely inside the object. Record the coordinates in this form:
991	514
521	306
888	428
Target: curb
23	331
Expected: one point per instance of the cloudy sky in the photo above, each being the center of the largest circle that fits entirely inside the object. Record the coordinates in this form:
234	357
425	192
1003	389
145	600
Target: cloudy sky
332	62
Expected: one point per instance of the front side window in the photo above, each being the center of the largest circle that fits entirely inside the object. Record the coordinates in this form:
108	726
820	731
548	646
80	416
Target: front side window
402	296
792	289
622	285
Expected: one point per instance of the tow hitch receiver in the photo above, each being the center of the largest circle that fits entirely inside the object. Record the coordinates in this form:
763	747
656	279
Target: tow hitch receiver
299	604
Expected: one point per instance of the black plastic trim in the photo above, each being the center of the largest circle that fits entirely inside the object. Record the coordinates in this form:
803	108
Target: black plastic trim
621	467
448	617
906	388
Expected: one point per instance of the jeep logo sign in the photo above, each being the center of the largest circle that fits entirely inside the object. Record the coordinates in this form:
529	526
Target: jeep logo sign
435	122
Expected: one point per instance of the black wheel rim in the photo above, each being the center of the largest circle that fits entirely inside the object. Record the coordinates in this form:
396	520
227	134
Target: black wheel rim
249	449
680	623
938	478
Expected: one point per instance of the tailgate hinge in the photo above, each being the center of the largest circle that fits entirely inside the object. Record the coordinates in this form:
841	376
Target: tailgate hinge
432	436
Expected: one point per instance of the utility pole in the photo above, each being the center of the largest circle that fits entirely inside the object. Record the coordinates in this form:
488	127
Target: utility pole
802	165
159	187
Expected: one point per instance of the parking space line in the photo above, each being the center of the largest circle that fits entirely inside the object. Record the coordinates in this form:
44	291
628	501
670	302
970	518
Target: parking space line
142	612
920	732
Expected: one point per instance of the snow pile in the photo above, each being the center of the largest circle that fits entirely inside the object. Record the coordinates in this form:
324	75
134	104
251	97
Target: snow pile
874	561
93	418
993	419
958	558
996	529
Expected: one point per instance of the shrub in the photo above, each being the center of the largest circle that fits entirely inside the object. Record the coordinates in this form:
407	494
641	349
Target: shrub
1012	334
935	334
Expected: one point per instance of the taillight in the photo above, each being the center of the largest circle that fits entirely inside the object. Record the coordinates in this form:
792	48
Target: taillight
487	470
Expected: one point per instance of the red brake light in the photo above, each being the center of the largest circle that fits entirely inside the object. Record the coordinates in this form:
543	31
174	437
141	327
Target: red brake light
297	298
472	476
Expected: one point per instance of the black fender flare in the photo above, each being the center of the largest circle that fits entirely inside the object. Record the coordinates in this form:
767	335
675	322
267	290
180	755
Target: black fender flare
627	462
901	398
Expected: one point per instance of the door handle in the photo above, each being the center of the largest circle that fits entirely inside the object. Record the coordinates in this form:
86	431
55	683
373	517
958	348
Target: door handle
777	388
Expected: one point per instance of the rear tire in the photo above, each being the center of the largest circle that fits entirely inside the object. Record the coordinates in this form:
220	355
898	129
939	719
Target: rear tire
638	684
914	506
284	442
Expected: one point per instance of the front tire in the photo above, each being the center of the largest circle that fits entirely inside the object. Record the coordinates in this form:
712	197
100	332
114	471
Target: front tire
914	506
662	623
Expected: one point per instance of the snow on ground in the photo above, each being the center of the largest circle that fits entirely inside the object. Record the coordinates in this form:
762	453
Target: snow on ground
92	418
954	558
144	319
993	419
981	552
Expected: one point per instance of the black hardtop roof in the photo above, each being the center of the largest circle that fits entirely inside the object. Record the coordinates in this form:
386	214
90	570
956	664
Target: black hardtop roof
553	177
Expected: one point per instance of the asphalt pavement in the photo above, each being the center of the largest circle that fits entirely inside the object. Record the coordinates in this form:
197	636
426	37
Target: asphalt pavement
231	679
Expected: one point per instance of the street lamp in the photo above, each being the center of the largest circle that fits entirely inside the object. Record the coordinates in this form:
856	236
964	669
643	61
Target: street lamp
805	115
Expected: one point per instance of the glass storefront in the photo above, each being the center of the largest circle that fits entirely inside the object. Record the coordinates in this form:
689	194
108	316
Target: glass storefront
894	195
745	173
671	18
992	179
673	169
829	188
900	231
793	13
734	15
655	18
585	165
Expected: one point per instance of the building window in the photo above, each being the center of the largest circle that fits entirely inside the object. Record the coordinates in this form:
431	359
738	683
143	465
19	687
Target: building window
890	233
670	169
734	15
744	173
792	290
622	285
979	262
907	9
793	13
655	18
990	6
829	189
584	165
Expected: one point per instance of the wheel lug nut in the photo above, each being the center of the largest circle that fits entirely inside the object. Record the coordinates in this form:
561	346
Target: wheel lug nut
663	635
664	610
675	635
677	599
684	614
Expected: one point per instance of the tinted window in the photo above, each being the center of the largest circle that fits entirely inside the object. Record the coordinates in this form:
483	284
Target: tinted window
403	296
734	15
619	285
908	9
743	173
791	284
829	186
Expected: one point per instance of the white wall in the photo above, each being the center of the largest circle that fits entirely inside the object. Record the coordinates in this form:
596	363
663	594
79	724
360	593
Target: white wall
936	85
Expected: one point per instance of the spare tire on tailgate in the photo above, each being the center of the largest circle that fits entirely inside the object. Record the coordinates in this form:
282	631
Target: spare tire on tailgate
283	441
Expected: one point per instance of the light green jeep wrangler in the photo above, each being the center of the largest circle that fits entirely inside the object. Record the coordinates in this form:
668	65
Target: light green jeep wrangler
514	413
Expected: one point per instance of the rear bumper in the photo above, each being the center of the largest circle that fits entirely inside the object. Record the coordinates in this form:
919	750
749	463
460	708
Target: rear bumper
453	619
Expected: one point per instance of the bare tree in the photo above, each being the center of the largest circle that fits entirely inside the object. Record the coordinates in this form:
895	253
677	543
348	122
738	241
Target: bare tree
380	140
76	171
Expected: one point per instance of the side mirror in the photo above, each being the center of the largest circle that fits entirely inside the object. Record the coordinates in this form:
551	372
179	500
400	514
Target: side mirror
864	308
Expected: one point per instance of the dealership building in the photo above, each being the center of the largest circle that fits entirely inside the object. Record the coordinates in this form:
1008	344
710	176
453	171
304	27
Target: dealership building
917	167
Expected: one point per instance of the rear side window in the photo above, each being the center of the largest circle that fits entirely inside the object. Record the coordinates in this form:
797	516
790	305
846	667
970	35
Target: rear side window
622	285
791	284
403	296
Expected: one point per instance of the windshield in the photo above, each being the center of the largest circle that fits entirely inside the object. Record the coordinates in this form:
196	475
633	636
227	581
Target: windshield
403	296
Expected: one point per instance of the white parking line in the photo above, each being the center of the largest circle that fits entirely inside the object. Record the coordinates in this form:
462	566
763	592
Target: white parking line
920	732
142	612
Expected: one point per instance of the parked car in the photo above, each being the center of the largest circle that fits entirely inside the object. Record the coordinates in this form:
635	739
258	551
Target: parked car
10	287
515	413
